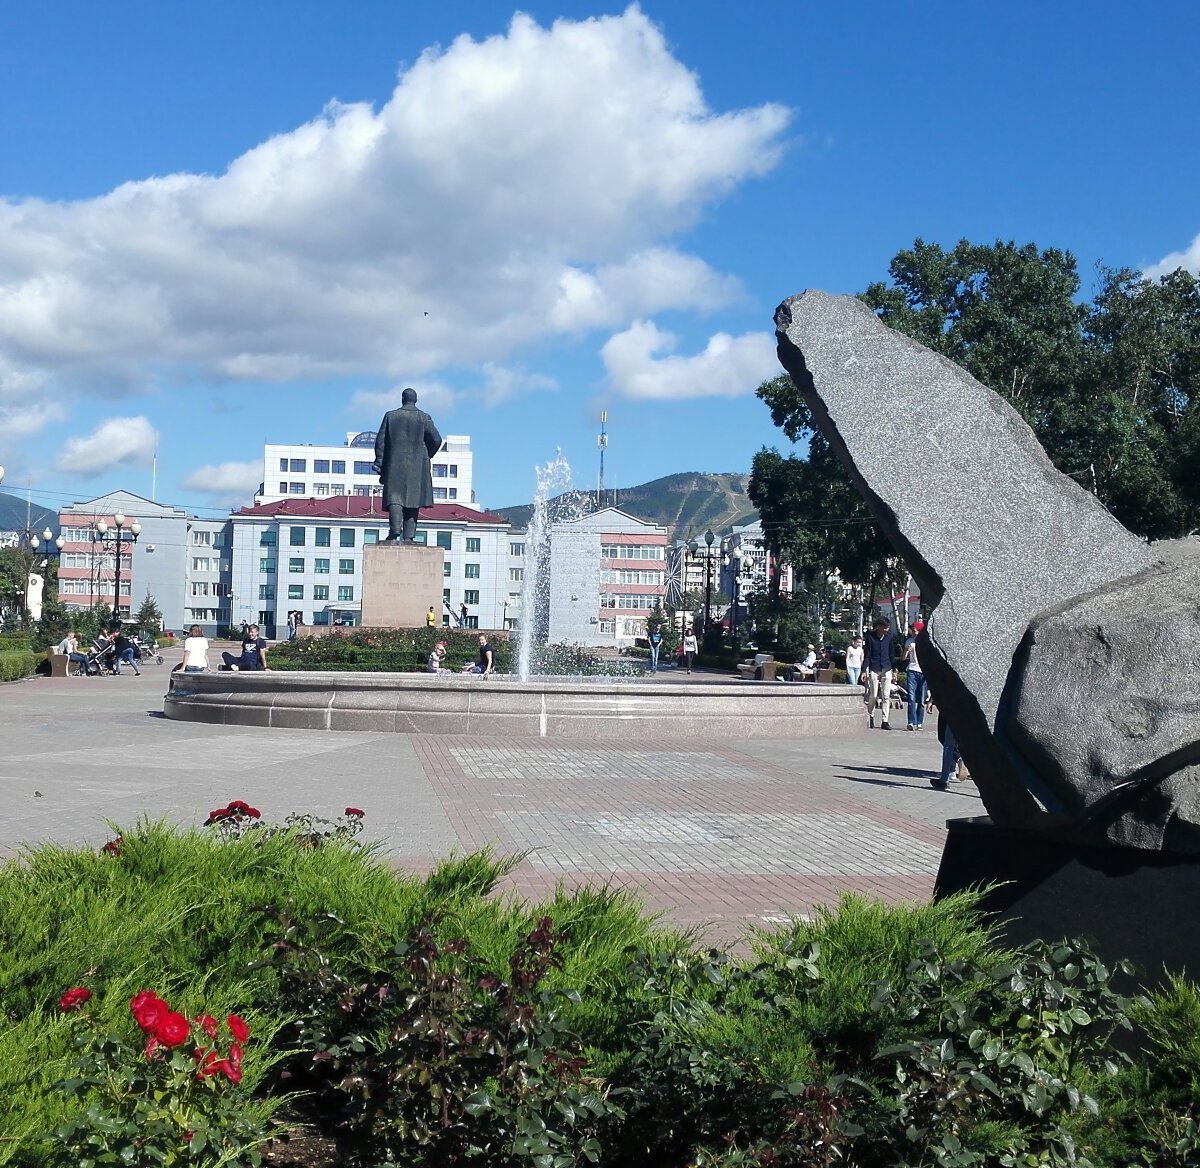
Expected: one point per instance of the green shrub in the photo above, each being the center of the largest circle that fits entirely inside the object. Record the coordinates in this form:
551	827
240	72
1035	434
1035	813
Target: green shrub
387	651
17	663
9	641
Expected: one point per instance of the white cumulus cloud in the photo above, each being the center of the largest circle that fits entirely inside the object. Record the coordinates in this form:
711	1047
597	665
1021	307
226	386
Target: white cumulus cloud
116	442
1188	259
370	405
510	189
641	363
226	482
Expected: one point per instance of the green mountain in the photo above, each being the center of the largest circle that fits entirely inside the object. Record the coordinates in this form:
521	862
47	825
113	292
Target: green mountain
687	504
15	512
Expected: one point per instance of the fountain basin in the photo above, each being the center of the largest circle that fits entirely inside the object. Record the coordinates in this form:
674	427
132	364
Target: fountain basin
664	707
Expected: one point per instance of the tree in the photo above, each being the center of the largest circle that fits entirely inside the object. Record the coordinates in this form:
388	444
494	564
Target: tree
148	618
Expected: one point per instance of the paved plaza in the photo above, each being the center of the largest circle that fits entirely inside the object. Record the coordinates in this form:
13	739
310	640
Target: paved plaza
719	835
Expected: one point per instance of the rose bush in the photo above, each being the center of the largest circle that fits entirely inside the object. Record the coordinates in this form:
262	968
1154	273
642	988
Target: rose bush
174	1099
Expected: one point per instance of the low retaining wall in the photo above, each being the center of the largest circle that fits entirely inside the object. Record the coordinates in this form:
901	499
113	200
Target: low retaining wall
503	708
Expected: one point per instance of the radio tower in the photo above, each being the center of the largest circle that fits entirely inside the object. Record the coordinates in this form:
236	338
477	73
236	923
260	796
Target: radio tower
602	443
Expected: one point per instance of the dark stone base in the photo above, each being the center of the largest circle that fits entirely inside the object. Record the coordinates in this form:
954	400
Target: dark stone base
1129	903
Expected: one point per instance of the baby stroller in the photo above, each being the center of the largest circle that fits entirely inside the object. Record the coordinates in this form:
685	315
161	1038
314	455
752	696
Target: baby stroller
101	659
148	651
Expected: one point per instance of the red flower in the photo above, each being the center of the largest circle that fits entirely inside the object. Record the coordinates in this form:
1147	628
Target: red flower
253	812
235	1058
206	1062
172	1029
354	812
148	1009
208	1024
73	998
232	1073
152	1045
238	1027
114	847
217	816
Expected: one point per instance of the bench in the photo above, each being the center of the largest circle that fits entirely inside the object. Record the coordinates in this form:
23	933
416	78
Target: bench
762	668
59	663
824	676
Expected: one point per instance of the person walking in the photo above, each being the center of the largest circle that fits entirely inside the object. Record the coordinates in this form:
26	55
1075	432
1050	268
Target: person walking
949	754
690	648
655	639
879	670
854	660
126	651
195	651
917	690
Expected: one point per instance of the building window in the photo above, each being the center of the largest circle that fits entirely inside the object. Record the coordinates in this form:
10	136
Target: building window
516	575
338	466
439	492
321	489
199	538
320	592
362	492
296	538
267	537
444	540
363	468
446	567
345	592
516	549
283	488
266	592
439	470
421	537
453	471
473	543
345	567
470	596
296	564
445	595
266	564
283	464
320	466
321	567
346	537
295	592
298	465
199	587
201	564
471	571
295	488
609	627
453	492
371	535
321	539
265	617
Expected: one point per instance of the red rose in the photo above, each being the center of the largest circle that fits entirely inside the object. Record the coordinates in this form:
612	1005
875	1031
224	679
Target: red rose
172	1029
208	1024
238	1027
152	1045
206	1062
238	806
235	1057
232	1073
73	998
253	812
148	1009
354	812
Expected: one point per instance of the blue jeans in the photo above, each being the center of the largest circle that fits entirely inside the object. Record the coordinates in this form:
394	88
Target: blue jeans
852	672
653	658
129	658
949	752
917	691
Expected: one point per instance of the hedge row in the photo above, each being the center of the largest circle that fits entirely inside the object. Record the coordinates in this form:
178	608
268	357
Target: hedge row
17	663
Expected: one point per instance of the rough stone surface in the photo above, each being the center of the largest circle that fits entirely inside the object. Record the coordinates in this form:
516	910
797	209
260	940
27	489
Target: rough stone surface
1107	703
992	532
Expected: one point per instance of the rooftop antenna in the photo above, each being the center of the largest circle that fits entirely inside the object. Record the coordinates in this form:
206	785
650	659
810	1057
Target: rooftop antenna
602	443
154	473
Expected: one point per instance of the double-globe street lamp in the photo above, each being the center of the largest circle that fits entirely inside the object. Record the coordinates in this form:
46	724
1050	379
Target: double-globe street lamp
733	560
118	536
694	548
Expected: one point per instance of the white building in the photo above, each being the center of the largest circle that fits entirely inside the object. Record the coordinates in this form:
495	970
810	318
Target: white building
208	575
319	472
607	573
305	555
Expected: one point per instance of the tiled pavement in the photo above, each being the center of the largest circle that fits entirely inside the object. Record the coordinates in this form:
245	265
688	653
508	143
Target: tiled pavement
718	835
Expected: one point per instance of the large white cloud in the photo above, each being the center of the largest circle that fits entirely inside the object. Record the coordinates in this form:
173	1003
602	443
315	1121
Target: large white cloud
116	442
641	363
512	188
1189	259
226	482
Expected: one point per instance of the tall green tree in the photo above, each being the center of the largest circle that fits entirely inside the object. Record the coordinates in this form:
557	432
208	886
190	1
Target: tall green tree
148	617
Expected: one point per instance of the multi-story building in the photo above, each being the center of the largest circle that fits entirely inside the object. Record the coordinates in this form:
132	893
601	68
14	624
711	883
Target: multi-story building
208	580
607	573
305	556
153	565
755	565
321	472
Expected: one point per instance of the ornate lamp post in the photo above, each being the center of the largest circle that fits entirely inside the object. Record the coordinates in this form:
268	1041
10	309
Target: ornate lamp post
118	536
735	564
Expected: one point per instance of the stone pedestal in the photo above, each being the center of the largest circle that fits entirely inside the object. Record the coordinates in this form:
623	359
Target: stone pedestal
1128	902
400	582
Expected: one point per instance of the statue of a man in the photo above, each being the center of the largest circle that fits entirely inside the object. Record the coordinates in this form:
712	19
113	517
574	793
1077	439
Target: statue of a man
406	441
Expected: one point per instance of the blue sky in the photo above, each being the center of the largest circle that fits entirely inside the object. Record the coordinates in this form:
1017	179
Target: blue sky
226	224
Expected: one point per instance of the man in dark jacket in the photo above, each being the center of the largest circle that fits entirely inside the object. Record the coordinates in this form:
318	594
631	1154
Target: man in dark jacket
878	664
407	439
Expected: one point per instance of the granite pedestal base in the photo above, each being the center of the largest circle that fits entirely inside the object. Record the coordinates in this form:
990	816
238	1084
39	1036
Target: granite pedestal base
401	582
1129	903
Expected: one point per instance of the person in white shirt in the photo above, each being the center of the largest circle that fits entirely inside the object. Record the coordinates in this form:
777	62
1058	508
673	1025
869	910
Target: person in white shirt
690	649
854	660
195	651
69	647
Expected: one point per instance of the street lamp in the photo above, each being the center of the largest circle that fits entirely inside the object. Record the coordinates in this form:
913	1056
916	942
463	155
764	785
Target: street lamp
735	563
694	548
118	536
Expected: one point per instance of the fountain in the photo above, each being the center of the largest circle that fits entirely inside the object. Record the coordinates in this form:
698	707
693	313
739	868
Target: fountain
533	702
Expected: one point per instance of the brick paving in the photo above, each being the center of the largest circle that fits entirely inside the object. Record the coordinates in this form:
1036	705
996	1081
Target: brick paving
716	836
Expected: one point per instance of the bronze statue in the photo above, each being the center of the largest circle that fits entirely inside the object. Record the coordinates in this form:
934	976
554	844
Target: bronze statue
407	439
